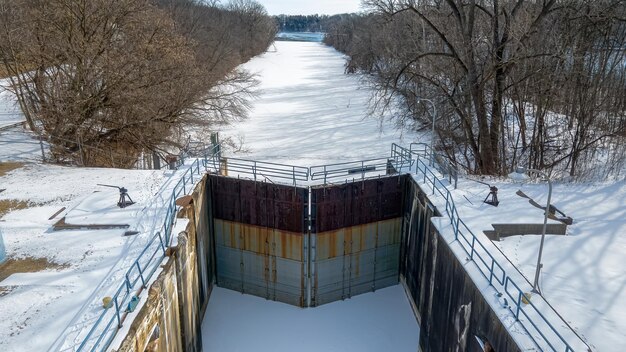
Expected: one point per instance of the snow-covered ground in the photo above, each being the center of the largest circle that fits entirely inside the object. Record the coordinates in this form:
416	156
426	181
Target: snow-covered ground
9	110
39	306
52	308
16	144
583	275
372	322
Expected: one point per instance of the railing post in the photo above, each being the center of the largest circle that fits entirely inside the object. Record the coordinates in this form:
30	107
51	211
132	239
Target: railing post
362	170
117	313
324	174
491	271
473	244
143	281
519	304
434	177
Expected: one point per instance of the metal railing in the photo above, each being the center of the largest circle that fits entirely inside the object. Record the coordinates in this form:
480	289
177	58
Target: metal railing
489	267
346	170
263	170
401	156
102	333
438	161
399	159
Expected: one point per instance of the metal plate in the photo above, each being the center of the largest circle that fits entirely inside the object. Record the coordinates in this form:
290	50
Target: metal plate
260	238
356	236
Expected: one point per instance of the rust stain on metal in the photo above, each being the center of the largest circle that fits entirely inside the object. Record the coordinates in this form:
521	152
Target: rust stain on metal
350	240
356	259
259	240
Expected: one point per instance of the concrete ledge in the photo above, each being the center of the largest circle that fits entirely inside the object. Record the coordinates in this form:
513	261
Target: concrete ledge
505	230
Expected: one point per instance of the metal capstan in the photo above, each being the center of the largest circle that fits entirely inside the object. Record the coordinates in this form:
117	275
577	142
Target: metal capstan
124	199
492	197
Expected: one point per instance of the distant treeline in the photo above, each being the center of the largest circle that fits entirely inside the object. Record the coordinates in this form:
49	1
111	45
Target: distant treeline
310	23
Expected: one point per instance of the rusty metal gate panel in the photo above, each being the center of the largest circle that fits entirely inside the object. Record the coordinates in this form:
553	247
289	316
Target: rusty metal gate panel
261	238
355	238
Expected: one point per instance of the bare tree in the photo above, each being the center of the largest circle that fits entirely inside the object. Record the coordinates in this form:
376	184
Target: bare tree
488	64
122	76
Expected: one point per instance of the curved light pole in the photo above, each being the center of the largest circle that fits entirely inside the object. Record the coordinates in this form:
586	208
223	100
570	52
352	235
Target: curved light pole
518	175
432	138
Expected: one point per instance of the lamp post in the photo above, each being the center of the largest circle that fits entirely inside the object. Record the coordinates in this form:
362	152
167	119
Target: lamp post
432	138
519	174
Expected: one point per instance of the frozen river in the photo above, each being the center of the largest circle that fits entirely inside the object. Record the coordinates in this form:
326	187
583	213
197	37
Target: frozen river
309	112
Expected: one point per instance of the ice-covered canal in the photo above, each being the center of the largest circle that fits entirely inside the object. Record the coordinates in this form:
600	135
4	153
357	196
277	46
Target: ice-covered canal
309	112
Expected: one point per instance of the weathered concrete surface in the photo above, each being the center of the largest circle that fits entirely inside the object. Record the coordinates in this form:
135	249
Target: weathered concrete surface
188	292
171	318
157	325
450	308
505	230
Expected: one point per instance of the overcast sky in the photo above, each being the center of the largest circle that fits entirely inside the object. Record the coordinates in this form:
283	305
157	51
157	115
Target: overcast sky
309	7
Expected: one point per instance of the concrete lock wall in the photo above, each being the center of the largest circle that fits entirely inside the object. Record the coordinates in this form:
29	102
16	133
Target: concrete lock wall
450	309
254	237
170	319
157	325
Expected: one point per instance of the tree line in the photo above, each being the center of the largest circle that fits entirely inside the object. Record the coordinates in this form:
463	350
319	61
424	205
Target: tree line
540	84
308	23
129	76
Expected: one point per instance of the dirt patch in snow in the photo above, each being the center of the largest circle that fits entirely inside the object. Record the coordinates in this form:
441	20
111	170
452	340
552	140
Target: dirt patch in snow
9	166
5	290
27	265
7	205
